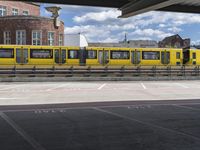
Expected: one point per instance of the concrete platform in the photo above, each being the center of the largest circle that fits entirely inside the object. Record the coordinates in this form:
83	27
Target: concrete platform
26	93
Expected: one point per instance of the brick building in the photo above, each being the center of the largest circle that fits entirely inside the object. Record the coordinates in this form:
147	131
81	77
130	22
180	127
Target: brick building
21	24
11	8
174	41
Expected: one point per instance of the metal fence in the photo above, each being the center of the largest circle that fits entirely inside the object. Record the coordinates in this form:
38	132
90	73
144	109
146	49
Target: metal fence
121	71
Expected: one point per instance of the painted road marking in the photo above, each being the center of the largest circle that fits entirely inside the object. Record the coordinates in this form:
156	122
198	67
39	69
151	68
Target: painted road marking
144	87
186	107
20	131
5	98
99	88
146	123
54	88
12	87
181	85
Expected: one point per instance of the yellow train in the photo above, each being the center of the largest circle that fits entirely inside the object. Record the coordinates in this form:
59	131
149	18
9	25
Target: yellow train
64	56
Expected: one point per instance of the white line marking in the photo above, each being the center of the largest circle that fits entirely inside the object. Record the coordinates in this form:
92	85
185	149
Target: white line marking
186	107
144	87
181	85
102	86
20	131
59	86
146	123
4	98
12	87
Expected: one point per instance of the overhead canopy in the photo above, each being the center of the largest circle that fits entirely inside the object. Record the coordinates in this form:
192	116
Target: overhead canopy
135	7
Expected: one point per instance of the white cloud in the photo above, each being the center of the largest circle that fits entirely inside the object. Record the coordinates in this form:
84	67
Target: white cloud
97	16
103	24
151	33
91	32
174	29
197	42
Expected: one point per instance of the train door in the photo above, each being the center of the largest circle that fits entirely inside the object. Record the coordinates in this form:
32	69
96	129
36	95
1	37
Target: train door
82	56
186	56
60	56
103	57
165	57
135	57
21	56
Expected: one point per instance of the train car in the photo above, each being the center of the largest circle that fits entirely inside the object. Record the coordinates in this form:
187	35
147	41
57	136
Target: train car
38	55
157	56
191	57
67	56
134	56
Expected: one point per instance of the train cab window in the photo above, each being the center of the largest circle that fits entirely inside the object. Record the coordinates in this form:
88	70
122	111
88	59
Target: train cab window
194	55
151	55
120	54
91	54
178	55
6	53
73	54
41	53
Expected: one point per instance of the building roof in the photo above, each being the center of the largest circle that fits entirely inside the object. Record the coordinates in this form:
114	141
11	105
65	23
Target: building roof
135	7
32	3
172	37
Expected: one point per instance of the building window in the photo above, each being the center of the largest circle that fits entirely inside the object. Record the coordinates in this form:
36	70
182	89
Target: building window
25	13
60	39
50	38
91	54
120	54
73	54
41	53
194	55
2	10
178	55
7	37
6	53
36	37
15	12
20	37
151	55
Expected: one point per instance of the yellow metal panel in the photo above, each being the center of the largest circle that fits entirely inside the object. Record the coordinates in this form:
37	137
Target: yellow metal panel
72	61
92	62
119	62
198	57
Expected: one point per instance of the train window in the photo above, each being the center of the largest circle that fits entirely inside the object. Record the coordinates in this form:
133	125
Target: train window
41	53
194	55
120	54
151	55
6	53
178	55
91	54
73	54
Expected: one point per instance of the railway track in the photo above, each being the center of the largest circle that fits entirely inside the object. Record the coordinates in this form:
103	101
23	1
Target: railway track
107	71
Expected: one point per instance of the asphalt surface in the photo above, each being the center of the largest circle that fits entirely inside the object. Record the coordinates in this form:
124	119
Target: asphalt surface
143	125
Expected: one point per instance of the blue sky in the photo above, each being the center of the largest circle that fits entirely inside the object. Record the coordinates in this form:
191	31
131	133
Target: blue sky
103	25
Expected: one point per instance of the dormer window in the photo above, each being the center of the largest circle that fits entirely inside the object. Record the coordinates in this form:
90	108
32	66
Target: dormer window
3	10
25	13
15	12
